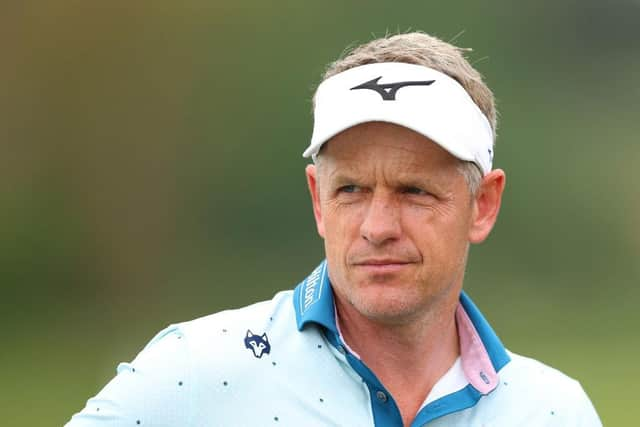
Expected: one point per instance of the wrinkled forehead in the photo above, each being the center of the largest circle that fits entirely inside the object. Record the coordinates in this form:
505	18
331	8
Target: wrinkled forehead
390	149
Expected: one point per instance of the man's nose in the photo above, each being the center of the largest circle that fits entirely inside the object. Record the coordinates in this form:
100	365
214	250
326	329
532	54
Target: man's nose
381	222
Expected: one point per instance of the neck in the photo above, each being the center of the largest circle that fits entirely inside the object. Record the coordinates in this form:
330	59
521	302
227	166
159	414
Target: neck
408	357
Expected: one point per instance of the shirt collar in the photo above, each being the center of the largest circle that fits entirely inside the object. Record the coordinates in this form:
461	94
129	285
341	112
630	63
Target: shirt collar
482	352
313	300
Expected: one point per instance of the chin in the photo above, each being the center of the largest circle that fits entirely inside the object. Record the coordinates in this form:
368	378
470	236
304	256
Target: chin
390	309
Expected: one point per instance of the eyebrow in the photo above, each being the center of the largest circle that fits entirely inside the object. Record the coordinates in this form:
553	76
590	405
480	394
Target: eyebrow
340	176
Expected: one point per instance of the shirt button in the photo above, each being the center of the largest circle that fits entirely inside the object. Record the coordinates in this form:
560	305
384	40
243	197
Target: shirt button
382	397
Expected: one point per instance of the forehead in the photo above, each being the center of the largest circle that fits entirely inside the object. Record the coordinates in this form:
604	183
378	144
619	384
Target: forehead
386	147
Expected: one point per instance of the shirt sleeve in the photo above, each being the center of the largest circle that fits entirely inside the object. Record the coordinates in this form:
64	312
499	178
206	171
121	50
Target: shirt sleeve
586	415
153	390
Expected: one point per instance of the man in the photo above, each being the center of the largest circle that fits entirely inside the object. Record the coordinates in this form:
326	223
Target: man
381	332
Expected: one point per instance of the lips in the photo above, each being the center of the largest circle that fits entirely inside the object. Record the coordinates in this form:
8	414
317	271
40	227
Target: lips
381	265
381	261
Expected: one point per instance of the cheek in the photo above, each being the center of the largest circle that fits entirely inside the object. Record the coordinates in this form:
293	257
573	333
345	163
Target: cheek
341	232
341	221
437	237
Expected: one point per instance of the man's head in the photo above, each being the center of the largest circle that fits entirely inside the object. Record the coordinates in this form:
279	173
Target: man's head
403	180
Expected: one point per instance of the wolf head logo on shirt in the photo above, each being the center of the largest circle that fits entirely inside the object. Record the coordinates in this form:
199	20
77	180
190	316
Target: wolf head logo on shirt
259	344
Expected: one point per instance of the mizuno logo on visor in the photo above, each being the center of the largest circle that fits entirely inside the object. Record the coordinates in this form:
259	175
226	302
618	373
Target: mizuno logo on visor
388	90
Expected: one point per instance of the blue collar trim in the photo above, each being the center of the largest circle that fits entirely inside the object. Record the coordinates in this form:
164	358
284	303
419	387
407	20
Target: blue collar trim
313	300
313	303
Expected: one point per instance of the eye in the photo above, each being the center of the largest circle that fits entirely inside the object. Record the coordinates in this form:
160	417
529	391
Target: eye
415	191
351	188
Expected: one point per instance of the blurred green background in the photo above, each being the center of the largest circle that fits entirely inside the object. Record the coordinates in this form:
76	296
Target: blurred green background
151	173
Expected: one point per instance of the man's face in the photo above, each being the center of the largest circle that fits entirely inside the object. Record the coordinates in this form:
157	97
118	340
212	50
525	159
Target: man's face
396	216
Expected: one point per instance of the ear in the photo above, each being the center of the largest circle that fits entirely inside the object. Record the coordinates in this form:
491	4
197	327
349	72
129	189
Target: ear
486	205
312	181
249	333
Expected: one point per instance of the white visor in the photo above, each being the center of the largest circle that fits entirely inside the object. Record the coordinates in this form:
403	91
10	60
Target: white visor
416	97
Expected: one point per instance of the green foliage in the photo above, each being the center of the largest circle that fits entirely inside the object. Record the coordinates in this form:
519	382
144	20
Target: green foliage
152	173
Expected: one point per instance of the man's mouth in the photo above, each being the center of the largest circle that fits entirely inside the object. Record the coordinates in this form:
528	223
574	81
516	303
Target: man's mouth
381	265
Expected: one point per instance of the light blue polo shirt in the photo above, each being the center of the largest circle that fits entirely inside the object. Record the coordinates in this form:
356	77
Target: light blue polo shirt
283	363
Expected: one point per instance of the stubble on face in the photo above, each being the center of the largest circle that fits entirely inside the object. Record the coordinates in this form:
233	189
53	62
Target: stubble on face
394	211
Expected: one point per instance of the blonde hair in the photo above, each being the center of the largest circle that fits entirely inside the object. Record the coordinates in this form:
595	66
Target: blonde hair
423	49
